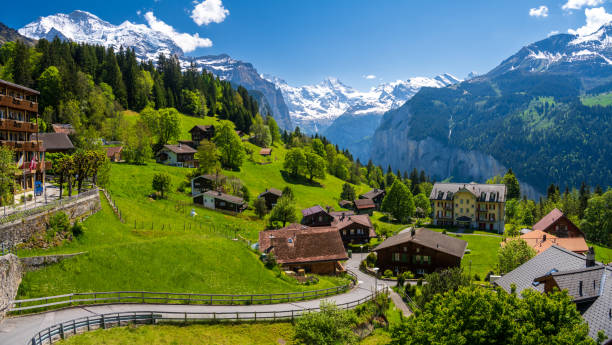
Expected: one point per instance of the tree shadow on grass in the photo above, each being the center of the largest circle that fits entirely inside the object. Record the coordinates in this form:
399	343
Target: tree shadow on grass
299	180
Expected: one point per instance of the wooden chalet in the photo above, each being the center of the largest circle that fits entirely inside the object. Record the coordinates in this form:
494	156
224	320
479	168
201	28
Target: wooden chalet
376	195
114	153
317	250
365	206
420	251
271	197
346	204
65	128
203	183
556	229
353	228
177	155
316	216
265	152
220	201
201	132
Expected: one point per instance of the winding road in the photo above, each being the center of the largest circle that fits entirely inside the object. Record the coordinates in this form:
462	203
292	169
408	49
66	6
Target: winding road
20	329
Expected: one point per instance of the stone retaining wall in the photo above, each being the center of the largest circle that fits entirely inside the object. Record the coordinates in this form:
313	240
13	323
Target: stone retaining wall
10	278
35	262
23	229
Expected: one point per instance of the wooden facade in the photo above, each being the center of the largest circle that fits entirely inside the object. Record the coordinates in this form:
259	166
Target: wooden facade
419	251
271	197
316	216
19	129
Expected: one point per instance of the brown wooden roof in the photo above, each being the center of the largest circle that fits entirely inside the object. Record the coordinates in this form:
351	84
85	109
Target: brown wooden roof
428	238
364	204
180	148
113	150
53	141
273	191
299	244
63	128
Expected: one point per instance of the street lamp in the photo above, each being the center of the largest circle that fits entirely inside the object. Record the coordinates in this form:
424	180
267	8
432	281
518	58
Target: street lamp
376	269
361	250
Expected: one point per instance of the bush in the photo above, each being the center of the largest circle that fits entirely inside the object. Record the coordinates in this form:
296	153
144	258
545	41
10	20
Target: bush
271	261
420	282
329	326
488	277
77	229
444	232
371	259
59	221
388	273
476	277
408	275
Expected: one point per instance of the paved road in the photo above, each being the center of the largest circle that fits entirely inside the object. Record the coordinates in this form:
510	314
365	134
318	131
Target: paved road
18	330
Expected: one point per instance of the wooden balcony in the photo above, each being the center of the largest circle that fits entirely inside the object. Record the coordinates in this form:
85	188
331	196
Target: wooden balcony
18	126
16	103
30	146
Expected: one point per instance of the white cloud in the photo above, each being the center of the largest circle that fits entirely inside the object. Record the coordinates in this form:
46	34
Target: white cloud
578	4
540	12
186	42
595	19
209	11
138	12
369	76
552	33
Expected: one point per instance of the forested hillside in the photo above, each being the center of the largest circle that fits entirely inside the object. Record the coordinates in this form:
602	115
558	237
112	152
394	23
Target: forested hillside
88	85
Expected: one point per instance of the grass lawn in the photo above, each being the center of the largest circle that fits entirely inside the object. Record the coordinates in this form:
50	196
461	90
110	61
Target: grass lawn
220	334
603	254
604	100
139	255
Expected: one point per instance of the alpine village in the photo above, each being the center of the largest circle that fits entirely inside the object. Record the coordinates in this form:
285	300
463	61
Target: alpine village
150	197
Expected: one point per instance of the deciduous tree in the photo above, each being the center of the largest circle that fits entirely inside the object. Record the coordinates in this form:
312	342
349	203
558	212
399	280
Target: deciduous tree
513	254
399	202
230	146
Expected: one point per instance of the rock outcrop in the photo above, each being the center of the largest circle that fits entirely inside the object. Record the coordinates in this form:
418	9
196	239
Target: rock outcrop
10	278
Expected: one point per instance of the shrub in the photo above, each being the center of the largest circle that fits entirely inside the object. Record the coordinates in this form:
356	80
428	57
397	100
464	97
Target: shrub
420	282
271	260
488	277
77	229
476	277
388	273
408	275
371	259
329	326
59	221
444	232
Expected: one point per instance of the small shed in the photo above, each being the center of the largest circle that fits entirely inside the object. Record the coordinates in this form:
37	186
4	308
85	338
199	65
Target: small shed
265	152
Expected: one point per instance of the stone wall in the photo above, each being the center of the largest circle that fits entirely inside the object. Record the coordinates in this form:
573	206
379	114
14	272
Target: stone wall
10	278
23	229
35	262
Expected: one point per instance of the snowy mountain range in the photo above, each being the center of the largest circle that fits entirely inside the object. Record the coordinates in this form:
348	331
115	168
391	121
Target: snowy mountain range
315	107
586	56
84	27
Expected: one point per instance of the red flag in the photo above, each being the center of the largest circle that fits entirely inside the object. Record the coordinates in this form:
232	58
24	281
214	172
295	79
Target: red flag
33	164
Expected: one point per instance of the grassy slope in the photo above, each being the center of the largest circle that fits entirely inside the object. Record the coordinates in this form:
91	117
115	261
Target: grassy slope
221	334
140	255
604	100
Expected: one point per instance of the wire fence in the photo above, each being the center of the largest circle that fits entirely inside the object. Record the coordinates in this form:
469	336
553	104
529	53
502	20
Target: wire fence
63	330
6	249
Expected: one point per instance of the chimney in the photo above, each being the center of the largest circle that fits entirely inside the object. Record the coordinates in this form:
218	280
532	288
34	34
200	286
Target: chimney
544	238
590	257
412	232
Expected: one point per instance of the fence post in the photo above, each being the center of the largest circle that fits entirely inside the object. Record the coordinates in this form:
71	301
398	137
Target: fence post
255	316
88	325
103	322
61	331
74	326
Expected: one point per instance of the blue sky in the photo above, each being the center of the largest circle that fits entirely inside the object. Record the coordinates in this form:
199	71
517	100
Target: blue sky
306	41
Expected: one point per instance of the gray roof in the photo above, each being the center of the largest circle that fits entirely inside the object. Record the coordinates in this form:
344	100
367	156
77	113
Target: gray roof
225	197
180	148
54	141
570	280
312	210
20	87
274	191
553	258
373	193
598	314
482	192
428	238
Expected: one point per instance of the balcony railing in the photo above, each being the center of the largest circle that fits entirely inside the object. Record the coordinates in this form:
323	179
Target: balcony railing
32	145
16	103
18	126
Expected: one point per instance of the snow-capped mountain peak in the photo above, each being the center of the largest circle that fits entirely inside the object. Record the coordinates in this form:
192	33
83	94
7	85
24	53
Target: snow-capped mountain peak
84	27
315	107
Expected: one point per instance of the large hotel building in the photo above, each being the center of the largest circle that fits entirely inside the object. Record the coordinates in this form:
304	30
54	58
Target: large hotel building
19	129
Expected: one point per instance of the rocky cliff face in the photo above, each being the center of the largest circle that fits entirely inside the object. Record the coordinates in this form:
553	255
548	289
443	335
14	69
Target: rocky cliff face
10	278
439	160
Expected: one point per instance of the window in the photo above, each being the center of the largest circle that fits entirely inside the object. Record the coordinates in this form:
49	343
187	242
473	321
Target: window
404	257
456	205
461	201
352	231
493	206
461	210
396	257
405	249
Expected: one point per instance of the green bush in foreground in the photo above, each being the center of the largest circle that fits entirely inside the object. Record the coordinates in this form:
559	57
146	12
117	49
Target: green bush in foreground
473	315
330	326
